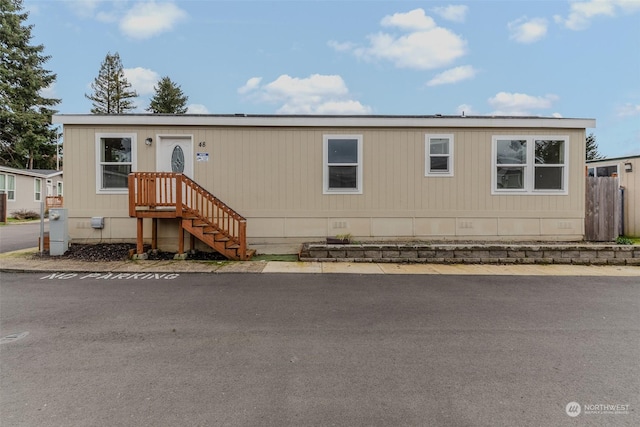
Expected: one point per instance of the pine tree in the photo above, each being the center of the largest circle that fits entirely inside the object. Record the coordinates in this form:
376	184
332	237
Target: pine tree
112	92
168	98
27	139
592	148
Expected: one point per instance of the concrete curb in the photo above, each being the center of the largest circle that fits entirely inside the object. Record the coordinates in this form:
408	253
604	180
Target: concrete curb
26	261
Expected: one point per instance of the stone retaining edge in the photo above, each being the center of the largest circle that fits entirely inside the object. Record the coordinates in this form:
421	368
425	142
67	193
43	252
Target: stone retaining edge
580	254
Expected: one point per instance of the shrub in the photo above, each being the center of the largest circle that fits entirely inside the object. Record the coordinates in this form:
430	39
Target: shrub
25	214
621	240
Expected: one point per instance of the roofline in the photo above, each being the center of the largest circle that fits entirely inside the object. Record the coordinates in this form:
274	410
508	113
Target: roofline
614	159
29	172
322	121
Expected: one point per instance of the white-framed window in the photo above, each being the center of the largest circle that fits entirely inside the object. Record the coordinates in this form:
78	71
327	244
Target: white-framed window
37	189
59	188
603	171
529	164
8	186
342	171
115	159
438	155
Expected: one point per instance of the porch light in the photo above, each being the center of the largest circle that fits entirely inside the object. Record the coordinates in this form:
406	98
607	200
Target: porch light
148	141
628	167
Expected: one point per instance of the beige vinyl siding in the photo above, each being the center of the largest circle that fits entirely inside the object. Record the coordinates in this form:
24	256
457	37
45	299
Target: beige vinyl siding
631	182
25	192
273	177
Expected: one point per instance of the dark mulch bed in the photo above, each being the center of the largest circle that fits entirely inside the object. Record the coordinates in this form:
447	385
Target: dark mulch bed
120	252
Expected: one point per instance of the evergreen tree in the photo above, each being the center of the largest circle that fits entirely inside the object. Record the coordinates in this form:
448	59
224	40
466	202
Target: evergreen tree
27	139
112	92
168	98
592	148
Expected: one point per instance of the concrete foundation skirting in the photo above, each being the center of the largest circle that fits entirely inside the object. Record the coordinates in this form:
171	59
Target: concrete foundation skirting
584	254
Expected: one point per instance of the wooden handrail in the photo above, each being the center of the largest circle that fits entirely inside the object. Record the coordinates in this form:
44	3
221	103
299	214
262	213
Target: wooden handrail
153	190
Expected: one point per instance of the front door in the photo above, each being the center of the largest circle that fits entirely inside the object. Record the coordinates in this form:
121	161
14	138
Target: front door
175	154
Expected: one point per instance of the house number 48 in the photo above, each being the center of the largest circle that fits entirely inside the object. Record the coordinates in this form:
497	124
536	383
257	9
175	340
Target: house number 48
202	144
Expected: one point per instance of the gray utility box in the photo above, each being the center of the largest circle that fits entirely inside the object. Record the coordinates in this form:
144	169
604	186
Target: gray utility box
58	232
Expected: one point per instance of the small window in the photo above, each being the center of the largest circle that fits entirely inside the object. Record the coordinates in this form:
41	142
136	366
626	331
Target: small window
342	164
37	189
59	188
8	186
115	159
529	165
439	155
607	170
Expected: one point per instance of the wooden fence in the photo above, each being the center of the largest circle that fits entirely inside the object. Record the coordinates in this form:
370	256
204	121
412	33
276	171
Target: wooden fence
3	207
603	214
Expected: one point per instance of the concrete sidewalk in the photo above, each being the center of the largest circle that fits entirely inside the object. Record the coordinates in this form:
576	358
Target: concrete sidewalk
28	261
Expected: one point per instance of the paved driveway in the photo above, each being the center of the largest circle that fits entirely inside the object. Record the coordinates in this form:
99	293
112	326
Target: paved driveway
14	237
318	349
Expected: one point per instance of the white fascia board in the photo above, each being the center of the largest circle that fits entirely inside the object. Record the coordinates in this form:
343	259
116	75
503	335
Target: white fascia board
324	121
25	172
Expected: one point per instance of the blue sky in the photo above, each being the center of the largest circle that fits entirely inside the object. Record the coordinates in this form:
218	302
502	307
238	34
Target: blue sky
542	58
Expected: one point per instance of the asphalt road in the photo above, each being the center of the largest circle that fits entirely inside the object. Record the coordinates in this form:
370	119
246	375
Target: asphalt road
318	350
14	237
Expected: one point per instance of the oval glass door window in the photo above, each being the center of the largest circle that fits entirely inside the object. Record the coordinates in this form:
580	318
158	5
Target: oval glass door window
177	160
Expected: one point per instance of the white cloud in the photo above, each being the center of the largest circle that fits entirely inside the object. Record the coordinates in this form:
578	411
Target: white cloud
84	8
341	47
628	110
526	30
453	75
251	84
142	79
197	109
150	18
316	94
316	85
414	20
107	17
49	91
466	110
519	104
455	13
581	13
424	45
557	115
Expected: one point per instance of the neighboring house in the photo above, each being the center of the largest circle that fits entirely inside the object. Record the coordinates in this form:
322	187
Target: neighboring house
27	188
305	178
628	171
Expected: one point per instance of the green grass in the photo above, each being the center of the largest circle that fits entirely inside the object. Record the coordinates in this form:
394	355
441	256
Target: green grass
17	221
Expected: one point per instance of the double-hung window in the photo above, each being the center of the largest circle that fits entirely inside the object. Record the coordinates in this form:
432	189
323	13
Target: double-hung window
530	164
37	189
8	186
115	159
439	155
342	172
59	188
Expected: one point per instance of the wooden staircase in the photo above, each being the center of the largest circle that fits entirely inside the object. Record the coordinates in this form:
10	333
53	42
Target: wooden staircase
174	195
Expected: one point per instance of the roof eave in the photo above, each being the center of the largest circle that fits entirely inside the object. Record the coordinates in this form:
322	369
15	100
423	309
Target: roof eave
324	121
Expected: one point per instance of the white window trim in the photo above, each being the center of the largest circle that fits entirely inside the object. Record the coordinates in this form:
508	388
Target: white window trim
529	166
134	161
427	155
6	187
35	190
325	163
59	188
